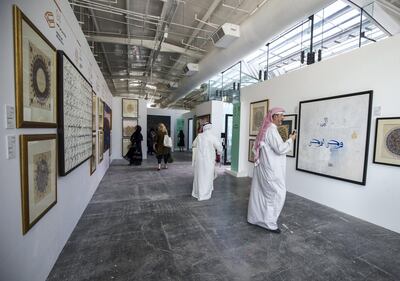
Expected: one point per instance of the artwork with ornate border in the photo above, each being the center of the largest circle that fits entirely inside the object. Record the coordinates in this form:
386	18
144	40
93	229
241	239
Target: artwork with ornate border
100	113
38	162
289	124
75	98
200	121
387	141
130	108
333	136
128	127
107	127
94	108
101	145
35	75
93	158
258	110
126	143
250	154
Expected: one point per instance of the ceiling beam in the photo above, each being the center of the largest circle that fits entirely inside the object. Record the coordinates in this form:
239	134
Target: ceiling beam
149	44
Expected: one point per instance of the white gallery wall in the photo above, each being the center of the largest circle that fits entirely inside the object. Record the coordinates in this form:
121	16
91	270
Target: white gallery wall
116	142
374	67
30	257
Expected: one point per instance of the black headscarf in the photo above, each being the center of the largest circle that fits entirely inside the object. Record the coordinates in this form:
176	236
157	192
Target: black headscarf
137	136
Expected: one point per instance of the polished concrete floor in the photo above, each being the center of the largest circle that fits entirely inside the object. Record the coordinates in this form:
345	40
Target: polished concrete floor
142	224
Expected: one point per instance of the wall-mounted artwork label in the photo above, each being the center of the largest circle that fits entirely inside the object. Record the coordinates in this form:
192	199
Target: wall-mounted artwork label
10	117
333	136
38	177
11	147
258	110
387	141
35	75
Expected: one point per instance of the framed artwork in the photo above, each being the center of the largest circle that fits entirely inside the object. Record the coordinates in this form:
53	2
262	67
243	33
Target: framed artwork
94	107
107	127
100	113
258	110
200	121
289	124
387	141
126	144
101	145
250	154
128	127
93	158
75	97
38	155
35	75
333	136
130	108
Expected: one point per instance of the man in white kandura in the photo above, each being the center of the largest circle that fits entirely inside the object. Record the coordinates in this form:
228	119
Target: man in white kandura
268	190
204	147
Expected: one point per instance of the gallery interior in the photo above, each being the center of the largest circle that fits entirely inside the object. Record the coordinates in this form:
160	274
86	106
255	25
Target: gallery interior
79	76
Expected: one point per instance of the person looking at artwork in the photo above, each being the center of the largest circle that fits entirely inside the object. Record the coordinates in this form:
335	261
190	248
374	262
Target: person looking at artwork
162	152
181	140
204	157
134	155
268	188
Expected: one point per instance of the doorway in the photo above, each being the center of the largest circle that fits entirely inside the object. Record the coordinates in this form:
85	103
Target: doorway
228	139
190	133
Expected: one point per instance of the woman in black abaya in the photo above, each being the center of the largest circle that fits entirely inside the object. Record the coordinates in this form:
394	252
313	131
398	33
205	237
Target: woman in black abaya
134	154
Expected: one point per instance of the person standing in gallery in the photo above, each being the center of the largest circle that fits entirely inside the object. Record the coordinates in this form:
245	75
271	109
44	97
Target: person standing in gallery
162	152
204	156
150	141
134	154
268	188
181	140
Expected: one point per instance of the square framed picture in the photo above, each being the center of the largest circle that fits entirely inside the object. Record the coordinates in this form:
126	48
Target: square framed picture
38	155
93	158
289	124
258	110
250	154
387	141
128	127
333	136
130	108
126	144
101	145
35	75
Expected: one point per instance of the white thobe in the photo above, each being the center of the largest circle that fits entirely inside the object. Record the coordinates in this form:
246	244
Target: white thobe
204	147
268	189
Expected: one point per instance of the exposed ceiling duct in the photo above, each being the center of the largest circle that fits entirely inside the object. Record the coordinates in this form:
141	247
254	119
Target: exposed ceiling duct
271	19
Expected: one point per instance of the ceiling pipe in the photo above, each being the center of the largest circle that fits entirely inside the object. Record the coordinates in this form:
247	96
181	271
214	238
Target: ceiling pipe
272	18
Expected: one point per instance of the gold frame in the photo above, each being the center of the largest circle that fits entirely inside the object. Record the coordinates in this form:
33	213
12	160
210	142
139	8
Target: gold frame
382	155
100	113
254	131
100	145
24	139
93	162
18	17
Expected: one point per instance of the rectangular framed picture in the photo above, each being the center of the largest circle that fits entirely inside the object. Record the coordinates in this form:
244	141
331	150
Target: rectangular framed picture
200	121
258	110
107	127
128	127
75	124
38	158
289	124
100	113
333	136
35	75
94	108
93	158
250	154
126	144
387	141
130	108
101	145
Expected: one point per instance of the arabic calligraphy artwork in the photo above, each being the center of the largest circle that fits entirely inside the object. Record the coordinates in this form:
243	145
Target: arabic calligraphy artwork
128	127
38	177
74	115
130	108
387	141
333	136
258	110
289	124
250	154
35	75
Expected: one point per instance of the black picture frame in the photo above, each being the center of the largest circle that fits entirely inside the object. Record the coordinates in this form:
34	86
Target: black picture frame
359	171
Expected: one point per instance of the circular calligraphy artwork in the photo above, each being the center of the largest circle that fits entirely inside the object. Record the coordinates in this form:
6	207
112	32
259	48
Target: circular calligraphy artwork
42	176
393	141
40	79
